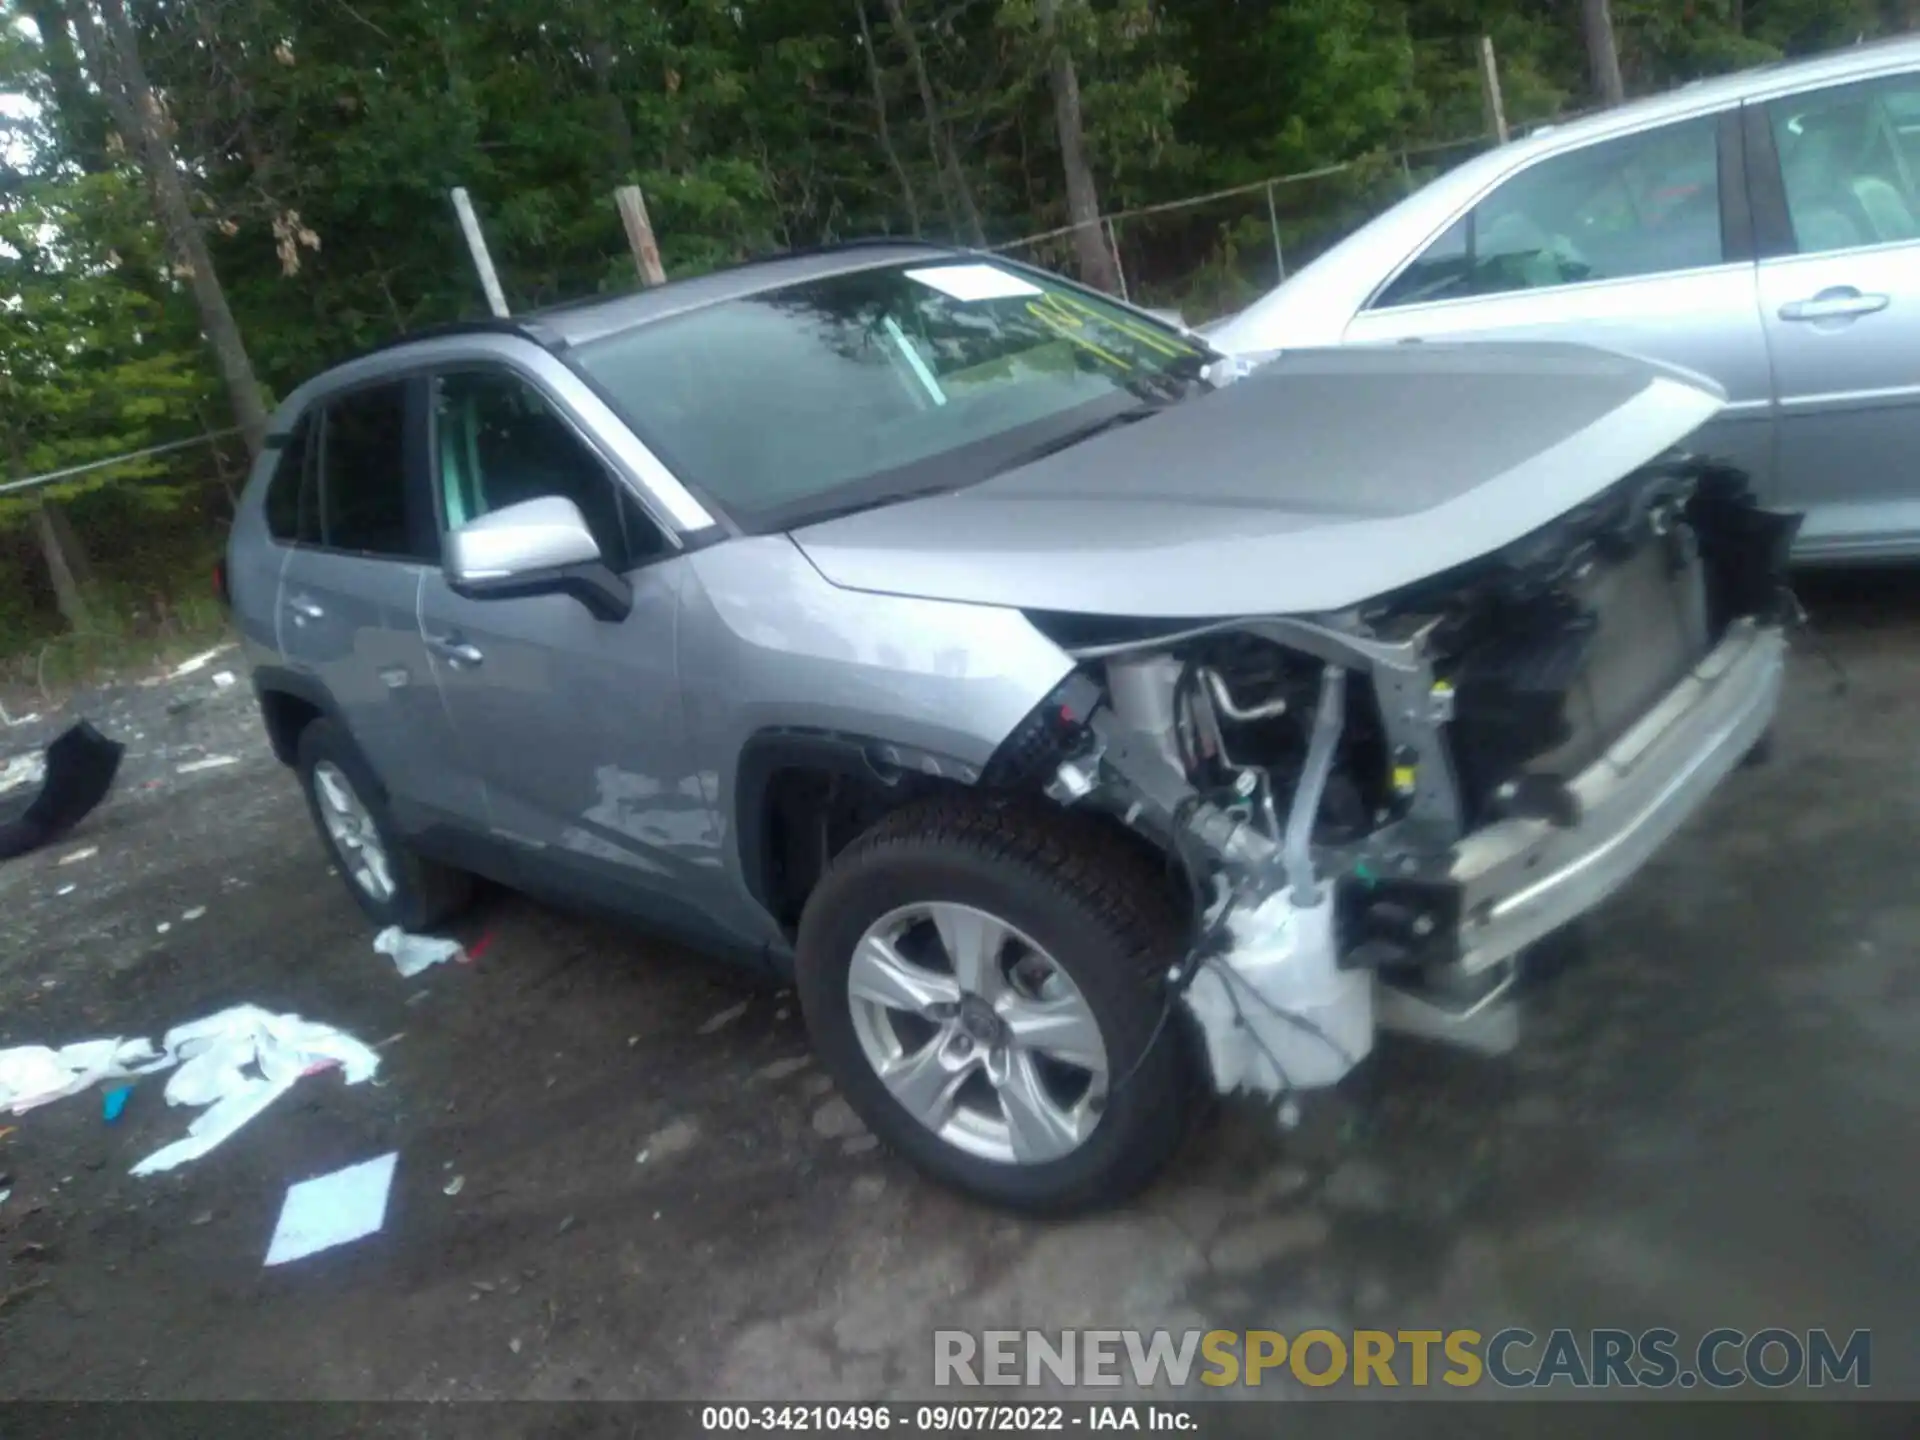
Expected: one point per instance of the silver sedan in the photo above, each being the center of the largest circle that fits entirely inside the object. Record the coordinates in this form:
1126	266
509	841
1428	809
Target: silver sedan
1762	230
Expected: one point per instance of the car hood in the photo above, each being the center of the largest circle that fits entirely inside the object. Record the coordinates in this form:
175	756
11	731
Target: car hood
1321	479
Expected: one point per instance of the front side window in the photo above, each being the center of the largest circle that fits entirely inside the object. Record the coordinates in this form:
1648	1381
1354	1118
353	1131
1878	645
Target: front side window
363	490
498	442
1645	204
1850	163
901	379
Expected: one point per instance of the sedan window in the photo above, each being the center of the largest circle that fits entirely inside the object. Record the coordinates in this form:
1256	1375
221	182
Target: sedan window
1849	157
1644	204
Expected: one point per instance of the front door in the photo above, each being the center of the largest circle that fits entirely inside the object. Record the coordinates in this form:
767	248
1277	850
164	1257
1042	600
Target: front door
1843	315
574	723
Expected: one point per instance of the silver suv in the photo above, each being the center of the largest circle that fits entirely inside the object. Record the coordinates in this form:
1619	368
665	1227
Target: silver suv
1080	720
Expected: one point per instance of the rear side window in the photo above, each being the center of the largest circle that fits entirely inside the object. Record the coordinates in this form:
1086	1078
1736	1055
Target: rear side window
363	473
1646	204
289	520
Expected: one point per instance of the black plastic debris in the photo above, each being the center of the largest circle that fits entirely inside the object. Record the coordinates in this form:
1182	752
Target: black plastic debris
81	766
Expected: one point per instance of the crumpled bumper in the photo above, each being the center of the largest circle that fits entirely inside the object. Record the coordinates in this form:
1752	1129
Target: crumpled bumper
1521	879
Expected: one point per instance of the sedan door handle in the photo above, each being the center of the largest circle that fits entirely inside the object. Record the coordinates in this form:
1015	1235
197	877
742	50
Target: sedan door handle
304	609
458	652
1835	304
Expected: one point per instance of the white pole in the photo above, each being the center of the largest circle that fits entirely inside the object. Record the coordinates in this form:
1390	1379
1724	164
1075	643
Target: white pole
477	244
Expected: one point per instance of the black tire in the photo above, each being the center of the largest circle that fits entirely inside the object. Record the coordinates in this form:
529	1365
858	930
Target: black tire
425	894
1094	901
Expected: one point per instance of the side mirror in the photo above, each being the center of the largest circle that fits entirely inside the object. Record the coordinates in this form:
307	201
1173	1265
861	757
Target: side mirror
537	547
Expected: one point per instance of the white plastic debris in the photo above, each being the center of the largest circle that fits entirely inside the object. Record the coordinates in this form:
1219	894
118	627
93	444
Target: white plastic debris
28	769
32	1075
223	679
331	1210
66	889
197	662
722	1019
210	762
74	857
414	953
237	1063
195	913
454	1186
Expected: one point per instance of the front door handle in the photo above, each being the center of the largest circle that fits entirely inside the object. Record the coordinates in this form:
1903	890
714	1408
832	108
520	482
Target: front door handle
458	652
1837	303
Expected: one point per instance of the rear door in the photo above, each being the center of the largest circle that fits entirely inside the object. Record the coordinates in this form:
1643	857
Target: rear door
1641	243
573	722
349	597
1840	293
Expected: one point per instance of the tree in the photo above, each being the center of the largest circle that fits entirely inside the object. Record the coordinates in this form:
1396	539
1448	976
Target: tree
1603	53
954	189
1083	196
113	56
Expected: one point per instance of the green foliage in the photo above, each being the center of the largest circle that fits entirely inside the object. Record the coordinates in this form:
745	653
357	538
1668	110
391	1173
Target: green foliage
320	141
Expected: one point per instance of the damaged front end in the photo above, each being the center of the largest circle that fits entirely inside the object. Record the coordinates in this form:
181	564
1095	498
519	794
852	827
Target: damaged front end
1379	810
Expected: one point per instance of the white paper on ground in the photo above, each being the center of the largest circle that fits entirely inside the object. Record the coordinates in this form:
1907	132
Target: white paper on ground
332	1209
237	1063
975	282
414	953
197	662
212	762
32	1075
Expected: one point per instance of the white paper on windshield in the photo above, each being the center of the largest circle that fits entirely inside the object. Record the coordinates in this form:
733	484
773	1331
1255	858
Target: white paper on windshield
974	282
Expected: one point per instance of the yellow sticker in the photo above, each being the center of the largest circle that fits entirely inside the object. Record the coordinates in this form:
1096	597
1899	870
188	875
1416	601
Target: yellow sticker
1404	779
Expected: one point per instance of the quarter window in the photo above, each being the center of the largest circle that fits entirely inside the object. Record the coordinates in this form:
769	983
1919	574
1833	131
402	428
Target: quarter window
292	515
1850	162
1644	204
500	442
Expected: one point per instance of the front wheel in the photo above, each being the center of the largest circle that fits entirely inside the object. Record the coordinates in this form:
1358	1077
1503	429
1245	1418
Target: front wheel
981	982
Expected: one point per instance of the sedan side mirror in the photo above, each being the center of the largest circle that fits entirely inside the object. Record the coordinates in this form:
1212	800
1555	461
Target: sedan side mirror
537	547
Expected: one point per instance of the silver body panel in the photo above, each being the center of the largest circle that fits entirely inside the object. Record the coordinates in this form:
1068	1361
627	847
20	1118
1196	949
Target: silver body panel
1824	413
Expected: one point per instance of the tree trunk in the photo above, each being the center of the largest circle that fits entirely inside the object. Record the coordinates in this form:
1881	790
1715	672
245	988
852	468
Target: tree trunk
113	55
619	128
1603	55
954	190
77	113
1097	266
66	587
880	116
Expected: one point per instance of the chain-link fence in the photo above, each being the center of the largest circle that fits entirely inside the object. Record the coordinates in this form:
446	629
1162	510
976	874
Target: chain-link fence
1209	255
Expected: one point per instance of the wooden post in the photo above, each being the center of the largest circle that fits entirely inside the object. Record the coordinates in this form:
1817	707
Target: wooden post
1273	220
477	246
1119	270
1490	86
633	215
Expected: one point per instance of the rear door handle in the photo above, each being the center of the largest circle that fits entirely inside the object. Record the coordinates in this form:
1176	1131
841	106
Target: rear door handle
458	652
1835	304
303	609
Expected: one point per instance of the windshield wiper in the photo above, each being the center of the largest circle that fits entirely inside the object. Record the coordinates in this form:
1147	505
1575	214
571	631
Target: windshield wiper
1086	432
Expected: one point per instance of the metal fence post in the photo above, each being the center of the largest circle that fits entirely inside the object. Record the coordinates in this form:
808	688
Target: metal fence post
1273	220
477	245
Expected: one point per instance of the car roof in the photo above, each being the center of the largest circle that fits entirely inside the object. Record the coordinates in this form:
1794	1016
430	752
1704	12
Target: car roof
580	322
1835	67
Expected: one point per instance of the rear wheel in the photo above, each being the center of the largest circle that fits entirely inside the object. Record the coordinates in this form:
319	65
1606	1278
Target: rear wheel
394	885
982	983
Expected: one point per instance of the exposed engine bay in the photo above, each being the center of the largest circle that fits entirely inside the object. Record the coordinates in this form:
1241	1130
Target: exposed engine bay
1377	811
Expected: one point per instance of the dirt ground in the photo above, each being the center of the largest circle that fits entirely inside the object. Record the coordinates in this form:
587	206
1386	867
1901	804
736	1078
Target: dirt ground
1710	1120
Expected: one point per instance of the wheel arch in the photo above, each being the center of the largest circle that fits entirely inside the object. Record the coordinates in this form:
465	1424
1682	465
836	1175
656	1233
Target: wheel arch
289	702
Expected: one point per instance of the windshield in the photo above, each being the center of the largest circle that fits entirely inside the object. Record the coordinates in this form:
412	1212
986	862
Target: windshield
860	388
